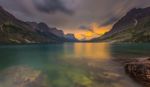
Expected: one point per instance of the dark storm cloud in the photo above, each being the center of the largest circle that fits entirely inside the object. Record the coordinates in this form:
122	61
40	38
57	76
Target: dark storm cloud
51	6
57	12
86	28
110	21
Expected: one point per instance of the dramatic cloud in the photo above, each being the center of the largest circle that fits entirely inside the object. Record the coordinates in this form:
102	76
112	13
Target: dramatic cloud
57	13
86	28
51	6
110	21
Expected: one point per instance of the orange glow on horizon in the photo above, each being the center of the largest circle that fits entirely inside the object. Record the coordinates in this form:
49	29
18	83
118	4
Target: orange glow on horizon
89	34
103	30
97	31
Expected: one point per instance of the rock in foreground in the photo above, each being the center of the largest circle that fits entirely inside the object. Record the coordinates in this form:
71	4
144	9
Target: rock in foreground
139	70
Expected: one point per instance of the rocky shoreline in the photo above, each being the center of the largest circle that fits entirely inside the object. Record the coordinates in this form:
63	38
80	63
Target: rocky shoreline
139	70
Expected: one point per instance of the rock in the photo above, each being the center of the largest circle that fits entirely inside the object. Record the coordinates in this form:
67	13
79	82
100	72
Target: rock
22	76
139	70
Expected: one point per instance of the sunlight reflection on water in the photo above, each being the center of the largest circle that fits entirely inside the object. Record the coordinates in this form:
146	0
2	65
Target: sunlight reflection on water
98	51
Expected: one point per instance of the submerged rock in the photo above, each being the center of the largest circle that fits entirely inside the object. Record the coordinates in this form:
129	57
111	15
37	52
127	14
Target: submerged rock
22	76
139	70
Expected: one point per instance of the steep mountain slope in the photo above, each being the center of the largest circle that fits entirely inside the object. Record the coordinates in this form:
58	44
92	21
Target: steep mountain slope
45	28
13	30
133	27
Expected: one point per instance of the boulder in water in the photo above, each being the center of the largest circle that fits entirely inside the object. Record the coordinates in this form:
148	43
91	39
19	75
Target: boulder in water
139	70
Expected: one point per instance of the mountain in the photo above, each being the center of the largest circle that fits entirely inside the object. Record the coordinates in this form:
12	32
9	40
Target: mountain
133	27
70	37
45	28
13	30
57	32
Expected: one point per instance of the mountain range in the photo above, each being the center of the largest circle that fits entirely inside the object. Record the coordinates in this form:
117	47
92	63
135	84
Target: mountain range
133	27
13	30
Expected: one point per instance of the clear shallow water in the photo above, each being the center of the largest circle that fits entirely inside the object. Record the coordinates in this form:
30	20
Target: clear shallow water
76	64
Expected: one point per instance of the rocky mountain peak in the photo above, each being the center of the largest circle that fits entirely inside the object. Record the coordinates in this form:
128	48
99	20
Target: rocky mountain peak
5	14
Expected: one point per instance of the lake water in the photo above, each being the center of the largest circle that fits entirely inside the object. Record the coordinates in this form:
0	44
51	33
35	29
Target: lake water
76	64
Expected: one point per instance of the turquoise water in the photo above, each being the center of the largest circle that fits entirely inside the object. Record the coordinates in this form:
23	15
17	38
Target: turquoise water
76	64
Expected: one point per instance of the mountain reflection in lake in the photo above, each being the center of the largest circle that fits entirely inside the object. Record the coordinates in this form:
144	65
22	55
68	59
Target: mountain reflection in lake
71	64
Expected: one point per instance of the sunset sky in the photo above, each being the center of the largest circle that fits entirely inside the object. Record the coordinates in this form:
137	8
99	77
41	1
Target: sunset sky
85	18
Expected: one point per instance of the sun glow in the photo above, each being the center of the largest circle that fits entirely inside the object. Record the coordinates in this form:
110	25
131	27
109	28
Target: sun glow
101	29
96	31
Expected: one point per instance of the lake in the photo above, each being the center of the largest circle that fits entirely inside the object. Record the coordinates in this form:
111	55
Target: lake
75	64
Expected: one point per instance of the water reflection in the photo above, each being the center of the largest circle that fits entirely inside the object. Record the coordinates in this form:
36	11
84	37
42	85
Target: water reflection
100	51
69	64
